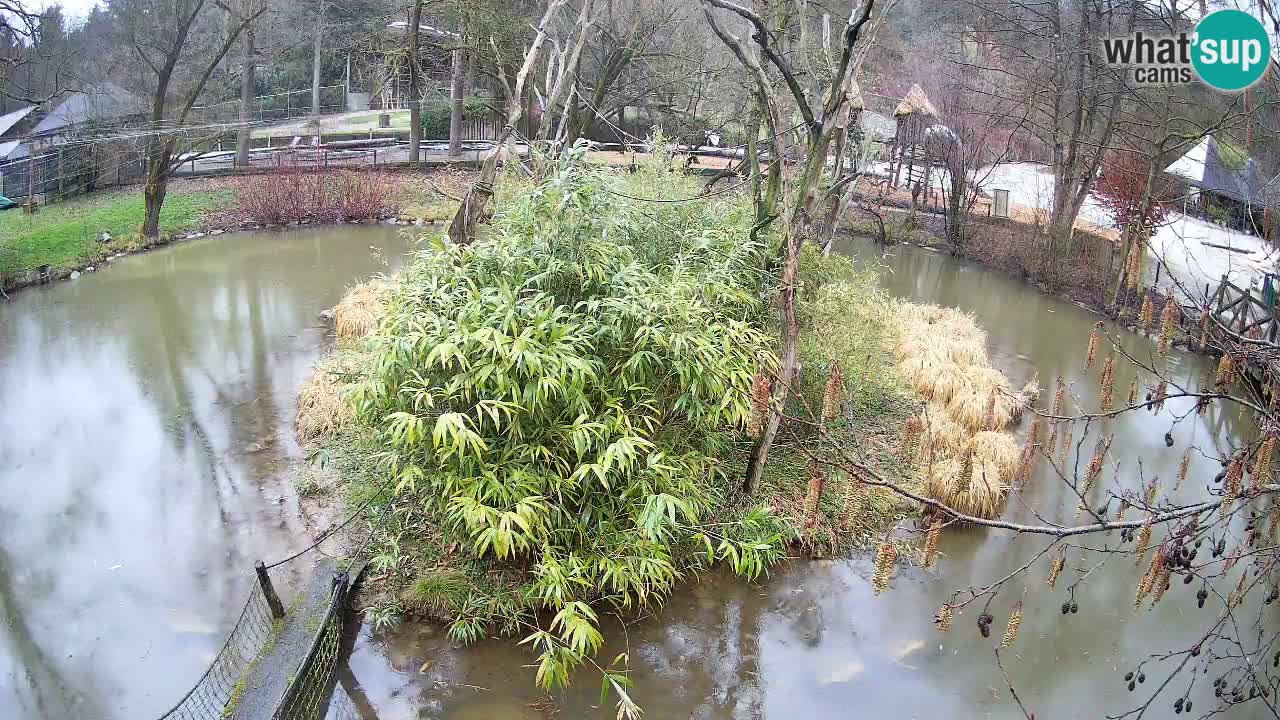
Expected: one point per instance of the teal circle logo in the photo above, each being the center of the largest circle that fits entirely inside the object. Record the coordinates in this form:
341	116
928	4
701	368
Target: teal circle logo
1231	50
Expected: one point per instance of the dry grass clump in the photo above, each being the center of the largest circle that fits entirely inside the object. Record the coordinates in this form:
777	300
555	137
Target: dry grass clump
967	461
361	309
322	407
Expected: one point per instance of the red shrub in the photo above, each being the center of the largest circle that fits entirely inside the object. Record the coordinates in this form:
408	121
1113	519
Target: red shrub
296	195
1121	187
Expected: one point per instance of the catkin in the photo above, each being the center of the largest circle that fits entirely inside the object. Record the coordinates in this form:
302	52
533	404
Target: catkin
1148	313
886	557
761	395
1011	629
1183	465
834	392
1168	325
1144	588
1262	468
1066	444
1233	483
1124	508
1132	399
943	618
1144	540
1059	396
1094	470
1092	351
1162	393
931	538
1153	490
1224	369
1160	576
1237	595
1108	382
1055	569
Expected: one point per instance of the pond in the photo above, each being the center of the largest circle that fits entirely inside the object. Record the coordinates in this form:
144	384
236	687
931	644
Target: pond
145	438
144	453
813	640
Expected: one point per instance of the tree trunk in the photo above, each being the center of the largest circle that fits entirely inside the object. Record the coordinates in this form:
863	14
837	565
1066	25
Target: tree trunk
156	188
415	102
455	104
244	132
315	62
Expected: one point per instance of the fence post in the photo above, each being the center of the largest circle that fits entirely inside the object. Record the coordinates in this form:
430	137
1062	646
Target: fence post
273	600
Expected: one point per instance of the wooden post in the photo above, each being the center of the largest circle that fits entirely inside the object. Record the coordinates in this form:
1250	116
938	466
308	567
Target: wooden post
268	591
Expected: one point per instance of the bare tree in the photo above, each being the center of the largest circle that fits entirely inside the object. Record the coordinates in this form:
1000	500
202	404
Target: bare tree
178	42
822	118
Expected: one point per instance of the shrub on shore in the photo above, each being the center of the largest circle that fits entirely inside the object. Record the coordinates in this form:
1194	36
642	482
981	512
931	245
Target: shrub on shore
295	195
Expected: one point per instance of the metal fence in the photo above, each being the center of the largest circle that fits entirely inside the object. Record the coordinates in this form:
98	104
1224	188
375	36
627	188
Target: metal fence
280	106
311	687
219	685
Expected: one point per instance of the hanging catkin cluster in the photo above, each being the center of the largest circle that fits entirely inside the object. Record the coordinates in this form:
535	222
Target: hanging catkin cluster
943	618
1091	352
1011	630
831	397
1262	467
1153	489
1124	508
1066	443
1108	382
931	542
1132	398
1168	325
1094	471
1144	539
760	397
1155	575
1148	313
1055	569
886	557
1224	369
813	497
1162	393
1059	397
1233	483
1183	466
1031	448
1160	569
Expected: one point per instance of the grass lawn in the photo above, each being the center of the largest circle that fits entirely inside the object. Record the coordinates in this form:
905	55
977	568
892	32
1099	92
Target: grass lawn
64	235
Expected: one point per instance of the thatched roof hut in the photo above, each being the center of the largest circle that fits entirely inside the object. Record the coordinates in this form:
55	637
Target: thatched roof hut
915	103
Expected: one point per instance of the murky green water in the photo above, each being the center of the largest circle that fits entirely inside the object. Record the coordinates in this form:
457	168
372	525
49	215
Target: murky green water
814	642
146	431
146	415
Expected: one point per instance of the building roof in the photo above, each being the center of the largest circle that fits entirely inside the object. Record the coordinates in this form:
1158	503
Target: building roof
915	103
9	120
7	148
1221	168
878	126
103	102
425	29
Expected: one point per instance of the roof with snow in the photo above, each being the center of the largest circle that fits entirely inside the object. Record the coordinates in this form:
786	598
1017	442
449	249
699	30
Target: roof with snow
9	120
915	103
878	126
107	101
1219	167
425	29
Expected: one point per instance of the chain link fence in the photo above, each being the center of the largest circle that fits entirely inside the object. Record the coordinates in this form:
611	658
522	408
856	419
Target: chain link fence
221	683
309	692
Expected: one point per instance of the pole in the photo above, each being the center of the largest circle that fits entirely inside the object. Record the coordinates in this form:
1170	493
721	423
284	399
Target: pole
455	105
415	104
315	62
269	591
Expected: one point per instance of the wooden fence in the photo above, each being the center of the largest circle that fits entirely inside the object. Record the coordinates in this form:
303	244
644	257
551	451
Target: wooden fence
1241	311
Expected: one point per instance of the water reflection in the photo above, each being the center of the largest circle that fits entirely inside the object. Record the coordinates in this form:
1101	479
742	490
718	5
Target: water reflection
813	641
144	441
